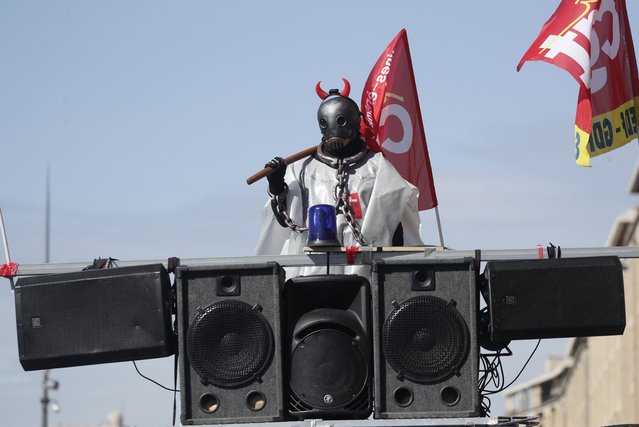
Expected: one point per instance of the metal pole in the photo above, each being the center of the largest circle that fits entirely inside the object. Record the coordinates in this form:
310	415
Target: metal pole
45	399
47	215
439	227
45	378
365	256
5	242
47	384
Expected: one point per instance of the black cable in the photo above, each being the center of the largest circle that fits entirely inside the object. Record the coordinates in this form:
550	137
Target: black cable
153	381
492	369
328	262
498	370
492	373
175	377
520	372
485	405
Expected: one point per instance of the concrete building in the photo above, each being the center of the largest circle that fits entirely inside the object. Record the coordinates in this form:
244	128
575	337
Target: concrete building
595	383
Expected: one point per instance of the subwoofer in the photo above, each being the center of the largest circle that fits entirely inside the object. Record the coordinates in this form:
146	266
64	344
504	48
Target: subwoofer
229	343
328	336
552	298
425	339
94	316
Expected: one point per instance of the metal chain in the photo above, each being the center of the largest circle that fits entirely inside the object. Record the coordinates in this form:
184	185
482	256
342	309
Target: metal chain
342	205
342	196
278	201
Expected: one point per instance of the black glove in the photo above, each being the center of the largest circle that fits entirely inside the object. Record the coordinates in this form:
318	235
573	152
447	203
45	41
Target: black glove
276	183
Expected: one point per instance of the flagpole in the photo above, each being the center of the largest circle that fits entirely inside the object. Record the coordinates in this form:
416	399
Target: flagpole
5	243
47	216
439	227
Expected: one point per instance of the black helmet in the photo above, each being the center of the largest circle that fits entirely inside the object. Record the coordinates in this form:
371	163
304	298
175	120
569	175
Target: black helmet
338	116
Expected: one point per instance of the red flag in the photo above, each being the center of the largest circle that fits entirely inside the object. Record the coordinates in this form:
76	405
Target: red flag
393	121
591	40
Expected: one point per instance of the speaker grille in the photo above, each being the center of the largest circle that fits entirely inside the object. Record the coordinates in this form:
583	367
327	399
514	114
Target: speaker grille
578	296
329	370
94	316
425	339
229	343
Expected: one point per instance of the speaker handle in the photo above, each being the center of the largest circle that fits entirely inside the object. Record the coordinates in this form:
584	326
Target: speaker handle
322	318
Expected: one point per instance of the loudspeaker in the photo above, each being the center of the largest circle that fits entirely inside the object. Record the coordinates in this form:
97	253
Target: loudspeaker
425	338
328	342
94	316
551	298
229	343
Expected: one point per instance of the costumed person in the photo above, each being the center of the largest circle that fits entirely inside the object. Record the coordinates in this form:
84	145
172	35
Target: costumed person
375	206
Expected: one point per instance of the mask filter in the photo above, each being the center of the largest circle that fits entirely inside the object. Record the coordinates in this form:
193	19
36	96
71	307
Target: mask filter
336	144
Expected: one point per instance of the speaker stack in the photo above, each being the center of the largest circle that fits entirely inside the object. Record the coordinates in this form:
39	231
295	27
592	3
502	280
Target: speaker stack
256	348
230	343
426	352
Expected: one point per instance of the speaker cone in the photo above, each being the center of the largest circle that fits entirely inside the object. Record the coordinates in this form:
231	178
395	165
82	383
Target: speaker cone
425	339
329	369
229	343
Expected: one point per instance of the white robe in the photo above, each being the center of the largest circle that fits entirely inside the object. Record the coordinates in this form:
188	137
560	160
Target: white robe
386	199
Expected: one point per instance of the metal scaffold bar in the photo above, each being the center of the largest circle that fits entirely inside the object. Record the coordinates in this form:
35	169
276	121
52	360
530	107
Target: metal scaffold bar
365	256
416	422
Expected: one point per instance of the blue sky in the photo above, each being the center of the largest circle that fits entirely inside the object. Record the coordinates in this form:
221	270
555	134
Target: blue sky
151	115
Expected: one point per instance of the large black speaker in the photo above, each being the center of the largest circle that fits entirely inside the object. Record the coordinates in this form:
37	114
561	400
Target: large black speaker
328	342
229	343
94	316
426	352
551	298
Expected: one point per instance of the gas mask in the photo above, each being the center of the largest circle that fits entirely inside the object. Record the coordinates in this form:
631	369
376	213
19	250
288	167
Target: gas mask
338	117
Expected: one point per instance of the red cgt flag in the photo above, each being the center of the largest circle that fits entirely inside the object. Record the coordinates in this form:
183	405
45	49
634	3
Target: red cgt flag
591	40
393	121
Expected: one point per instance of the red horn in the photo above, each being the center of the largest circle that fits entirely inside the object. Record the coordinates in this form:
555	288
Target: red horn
319	91
347	88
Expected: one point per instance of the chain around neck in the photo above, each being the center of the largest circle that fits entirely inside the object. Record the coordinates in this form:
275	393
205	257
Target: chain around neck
333	161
